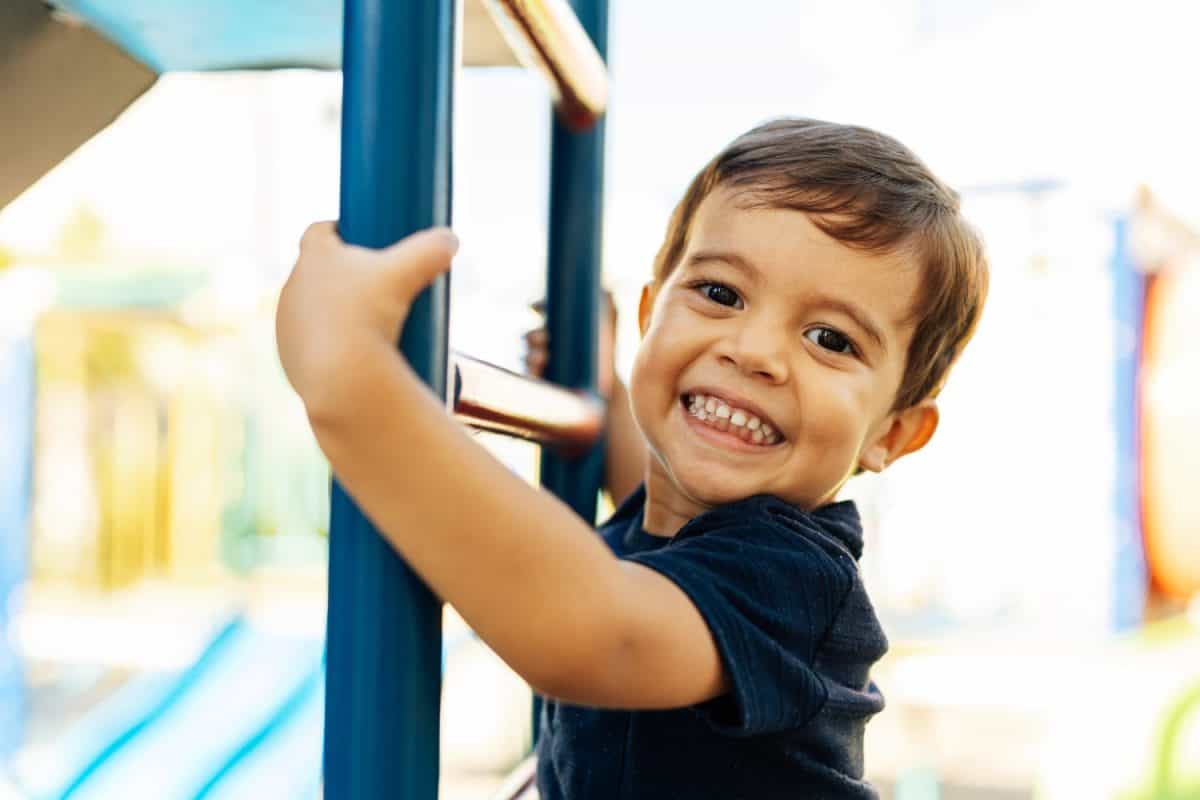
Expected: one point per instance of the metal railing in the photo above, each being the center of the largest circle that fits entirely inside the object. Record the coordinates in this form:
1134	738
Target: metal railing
384	625
493	399
549	37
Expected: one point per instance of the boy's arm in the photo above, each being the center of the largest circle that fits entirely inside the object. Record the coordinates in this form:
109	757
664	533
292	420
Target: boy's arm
529	576
625	450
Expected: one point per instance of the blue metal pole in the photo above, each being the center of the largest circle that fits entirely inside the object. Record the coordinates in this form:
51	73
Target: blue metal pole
573	276
1129	559
384	626
573	280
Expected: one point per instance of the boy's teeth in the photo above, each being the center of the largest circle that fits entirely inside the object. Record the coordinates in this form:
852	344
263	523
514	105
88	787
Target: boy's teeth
724	417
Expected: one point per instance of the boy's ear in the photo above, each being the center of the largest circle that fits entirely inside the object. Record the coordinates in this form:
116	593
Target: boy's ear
907	432
646	305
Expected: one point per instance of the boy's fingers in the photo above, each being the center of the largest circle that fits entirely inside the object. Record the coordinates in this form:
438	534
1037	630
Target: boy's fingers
608	304
318	233
424	255
535	364
538	337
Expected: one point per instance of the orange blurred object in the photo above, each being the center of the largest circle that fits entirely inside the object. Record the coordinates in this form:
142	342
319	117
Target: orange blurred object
1170	430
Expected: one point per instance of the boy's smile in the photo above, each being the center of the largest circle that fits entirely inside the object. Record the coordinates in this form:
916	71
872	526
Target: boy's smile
769	364
730	422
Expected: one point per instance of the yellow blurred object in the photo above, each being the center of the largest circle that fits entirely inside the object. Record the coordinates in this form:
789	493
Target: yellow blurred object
83	236
128	480
127	466
195	498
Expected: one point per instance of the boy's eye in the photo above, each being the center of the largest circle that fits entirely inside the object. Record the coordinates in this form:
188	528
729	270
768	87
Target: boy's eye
720	293
830	339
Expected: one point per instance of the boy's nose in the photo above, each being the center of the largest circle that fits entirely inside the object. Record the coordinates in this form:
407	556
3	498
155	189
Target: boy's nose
757	352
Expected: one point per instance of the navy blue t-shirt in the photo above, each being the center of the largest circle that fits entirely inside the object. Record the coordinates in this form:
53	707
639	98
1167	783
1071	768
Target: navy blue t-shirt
780	590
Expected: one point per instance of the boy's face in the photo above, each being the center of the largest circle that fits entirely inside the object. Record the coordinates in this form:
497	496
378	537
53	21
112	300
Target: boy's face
770	360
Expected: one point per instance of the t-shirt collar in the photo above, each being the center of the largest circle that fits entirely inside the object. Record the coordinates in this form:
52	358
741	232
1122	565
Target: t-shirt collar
840	520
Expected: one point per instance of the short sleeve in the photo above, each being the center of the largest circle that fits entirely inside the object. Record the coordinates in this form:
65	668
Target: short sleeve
769	594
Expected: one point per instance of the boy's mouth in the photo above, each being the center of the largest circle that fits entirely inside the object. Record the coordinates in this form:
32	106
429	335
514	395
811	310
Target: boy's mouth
716	413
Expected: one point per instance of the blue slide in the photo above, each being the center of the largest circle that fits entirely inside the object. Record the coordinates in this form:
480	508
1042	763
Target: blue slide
244	721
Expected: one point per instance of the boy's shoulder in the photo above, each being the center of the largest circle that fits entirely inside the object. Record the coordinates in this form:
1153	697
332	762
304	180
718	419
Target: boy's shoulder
835	528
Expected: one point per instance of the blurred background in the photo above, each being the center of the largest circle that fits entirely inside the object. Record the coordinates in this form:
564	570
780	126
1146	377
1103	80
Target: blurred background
164	510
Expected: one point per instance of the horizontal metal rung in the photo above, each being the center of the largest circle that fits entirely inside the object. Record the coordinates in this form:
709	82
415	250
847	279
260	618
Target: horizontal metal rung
494	399
547	36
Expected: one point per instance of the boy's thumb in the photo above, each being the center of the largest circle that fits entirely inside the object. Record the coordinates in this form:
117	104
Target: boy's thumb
420	257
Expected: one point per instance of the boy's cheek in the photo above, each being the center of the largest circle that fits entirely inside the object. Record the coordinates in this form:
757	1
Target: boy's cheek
638	405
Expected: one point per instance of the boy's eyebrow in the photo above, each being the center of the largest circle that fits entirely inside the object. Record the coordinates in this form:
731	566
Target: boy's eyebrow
739	263
855	313
727	257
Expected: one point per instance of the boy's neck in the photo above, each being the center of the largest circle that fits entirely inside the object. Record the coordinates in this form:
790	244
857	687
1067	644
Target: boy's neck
666	509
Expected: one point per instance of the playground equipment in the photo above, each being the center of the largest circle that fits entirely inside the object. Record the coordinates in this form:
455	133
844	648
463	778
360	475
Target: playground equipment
398	59
16	417
172	734
399	63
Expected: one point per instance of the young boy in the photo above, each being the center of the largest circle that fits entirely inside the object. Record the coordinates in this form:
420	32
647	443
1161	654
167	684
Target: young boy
715	641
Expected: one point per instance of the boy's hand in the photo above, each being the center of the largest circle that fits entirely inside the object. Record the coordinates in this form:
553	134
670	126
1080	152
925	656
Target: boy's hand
530	575
537	346
625	462
342	302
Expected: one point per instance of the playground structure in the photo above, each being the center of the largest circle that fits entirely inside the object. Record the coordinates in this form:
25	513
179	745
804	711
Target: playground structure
384	197
399	63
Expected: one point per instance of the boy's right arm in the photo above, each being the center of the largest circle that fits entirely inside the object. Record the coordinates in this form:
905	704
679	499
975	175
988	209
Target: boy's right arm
525	571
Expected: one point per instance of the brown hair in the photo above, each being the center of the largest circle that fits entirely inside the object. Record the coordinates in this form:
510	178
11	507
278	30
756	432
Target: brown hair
870	192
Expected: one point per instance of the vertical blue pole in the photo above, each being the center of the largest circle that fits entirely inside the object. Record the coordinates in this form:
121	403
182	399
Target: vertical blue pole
573	280
1130	578
573	275
16	489
384	626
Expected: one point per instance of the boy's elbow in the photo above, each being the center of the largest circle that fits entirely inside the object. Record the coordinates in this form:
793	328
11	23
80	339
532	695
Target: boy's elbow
330	430
587	676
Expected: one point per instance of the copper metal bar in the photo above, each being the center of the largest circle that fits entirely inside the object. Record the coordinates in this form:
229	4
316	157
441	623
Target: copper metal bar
547	36
493	399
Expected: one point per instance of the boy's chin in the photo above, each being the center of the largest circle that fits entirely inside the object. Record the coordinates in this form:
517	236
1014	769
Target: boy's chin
717	490
712	490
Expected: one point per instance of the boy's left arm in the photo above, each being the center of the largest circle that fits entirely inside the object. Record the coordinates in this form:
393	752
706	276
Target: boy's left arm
532	579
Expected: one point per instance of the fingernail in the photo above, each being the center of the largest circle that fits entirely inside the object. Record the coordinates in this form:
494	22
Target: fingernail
452	238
